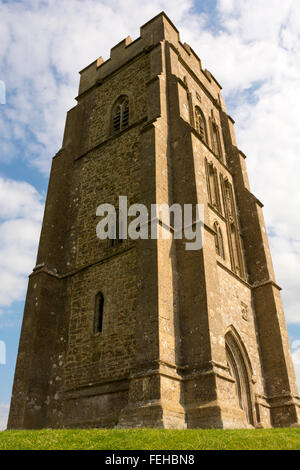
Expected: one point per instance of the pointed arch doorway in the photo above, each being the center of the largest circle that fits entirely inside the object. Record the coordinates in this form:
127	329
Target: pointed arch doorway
240	369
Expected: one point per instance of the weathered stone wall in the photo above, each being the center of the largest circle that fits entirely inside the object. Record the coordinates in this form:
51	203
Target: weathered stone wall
93	357
130	80
111	168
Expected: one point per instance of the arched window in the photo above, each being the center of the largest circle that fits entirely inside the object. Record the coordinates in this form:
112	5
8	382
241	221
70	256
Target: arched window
99	307
219	240
234	237
229	200
215	139
213	186
201	124
120	114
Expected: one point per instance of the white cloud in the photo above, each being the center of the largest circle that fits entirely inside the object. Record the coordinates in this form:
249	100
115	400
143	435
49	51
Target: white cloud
21	209
255	20
296	359
19	199
44	44
226	6
4	410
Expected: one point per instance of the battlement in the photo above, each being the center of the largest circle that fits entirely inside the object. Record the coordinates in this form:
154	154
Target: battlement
152	33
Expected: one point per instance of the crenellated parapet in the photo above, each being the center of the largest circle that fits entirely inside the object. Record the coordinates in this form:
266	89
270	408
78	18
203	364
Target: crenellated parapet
152	33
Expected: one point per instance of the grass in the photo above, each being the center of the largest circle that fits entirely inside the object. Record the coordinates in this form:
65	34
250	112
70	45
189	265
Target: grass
151	439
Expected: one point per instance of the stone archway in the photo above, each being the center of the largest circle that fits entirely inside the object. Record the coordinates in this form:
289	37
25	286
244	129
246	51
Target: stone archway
240	370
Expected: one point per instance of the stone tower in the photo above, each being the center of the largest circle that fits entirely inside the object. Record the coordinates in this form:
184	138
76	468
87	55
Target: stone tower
143	332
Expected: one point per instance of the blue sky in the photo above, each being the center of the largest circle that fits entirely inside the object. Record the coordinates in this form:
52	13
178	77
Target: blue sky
251	47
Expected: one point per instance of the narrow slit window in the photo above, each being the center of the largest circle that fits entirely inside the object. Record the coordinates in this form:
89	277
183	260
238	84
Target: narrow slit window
217	244
99	307
116	234
221	243
200	124
213	186
235	249
215	140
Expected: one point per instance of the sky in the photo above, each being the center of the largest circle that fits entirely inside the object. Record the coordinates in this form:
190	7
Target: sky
252	47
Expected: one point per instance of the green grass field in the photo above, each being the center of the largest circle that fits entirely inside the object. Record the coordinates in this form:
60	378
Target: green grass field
151	439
